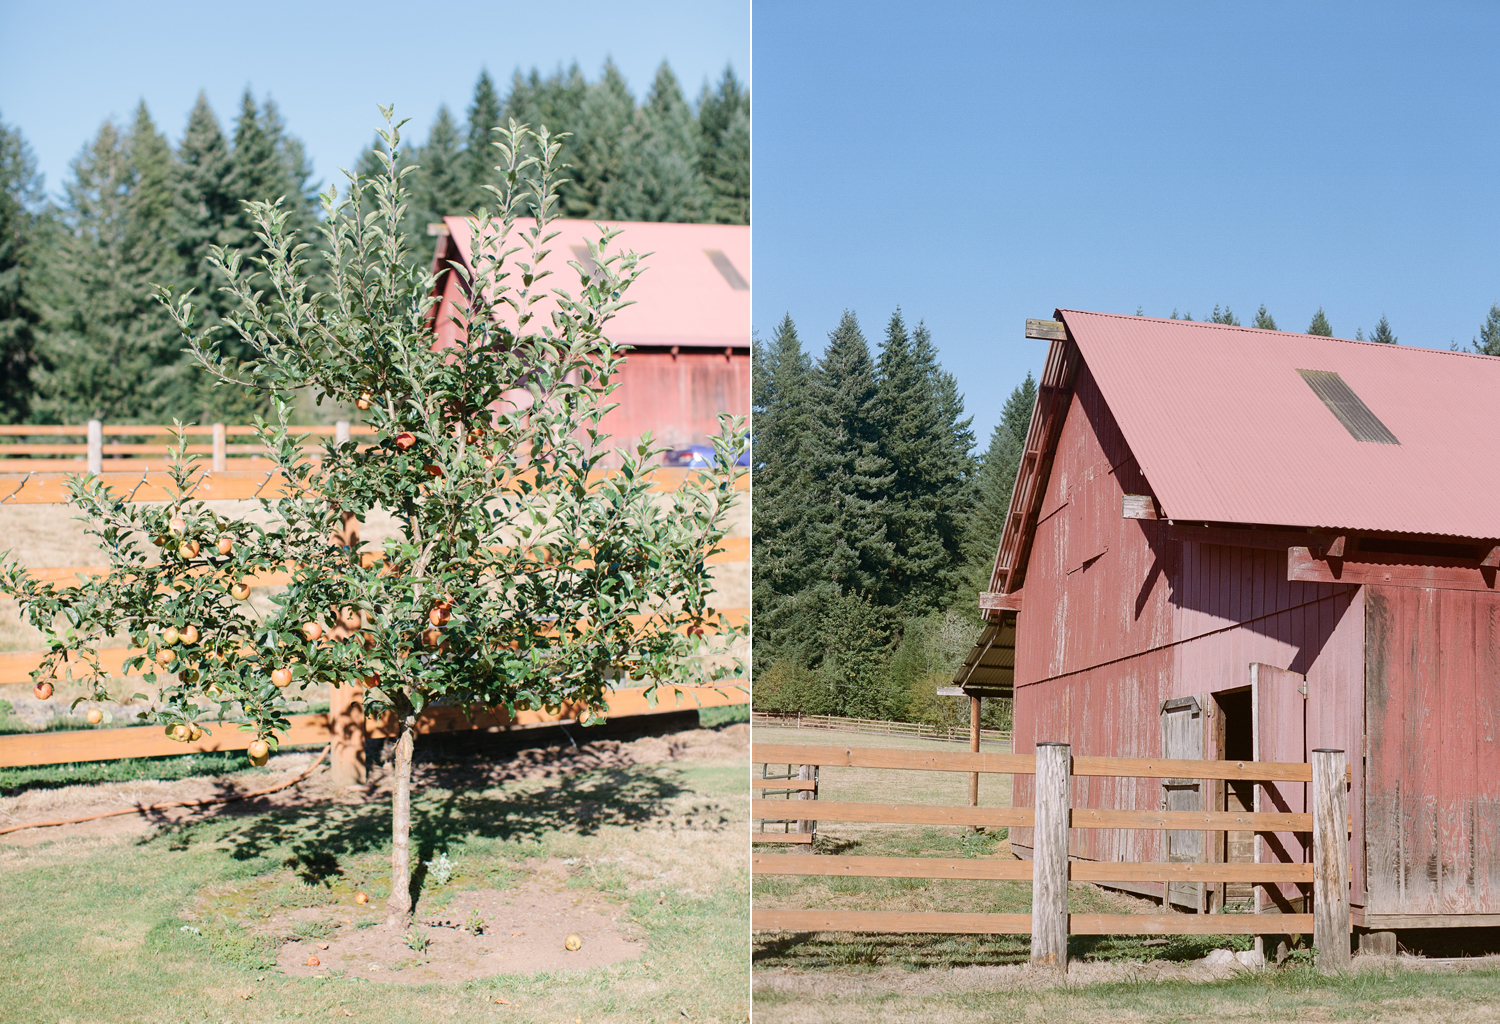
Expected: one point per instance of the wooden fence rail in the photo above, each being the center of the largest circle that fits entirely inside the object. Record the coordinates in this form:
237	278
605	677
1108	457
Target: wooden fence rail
1050	870
876	726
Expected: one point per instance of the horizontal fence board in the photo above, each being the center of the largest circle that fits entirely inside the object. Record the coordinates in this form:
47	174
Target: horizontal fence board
892	867
1164	768
1190	924
1020	870
800	785
882	922
876	757
38	748
900	814
888	922
1216	821
792	838
736	549
31	487
17	666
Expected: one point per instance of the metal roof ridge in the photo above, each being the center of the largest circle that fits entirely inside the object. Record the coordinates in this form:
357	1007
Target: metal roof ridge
1290	334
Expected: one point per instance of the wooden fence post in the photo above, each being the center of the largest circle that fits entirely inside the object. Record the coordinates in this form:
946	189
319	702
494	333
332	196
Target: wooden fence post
1049	857
807	773
1330	860
974	746
346	714
95	446
219	448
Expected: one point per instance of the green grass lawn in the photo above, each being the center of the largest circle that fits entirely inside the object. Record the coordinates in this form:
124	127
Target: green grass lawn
94	930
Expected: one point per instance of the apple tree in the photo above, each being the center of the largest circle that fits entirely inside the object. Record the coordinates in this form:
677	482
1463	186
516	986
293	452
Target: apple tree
523	573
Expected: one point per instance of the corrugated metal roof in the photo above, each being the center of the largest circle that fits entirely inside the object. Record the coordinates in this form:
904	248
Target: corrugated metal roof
989	670
1227	430
694	290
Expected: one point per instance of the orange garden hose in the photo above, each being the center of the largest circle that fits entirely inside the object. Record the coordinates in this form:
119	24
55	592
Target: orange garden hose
176	803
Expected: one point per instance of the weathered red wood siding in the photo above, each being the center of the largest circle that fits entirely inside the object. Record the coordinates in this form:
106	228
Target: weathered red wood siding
1118	618
679	398
1433	709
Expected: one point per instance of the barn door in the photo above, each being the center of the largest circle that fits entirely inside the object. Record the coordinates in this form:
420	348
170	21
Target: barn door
1182	738
1280	702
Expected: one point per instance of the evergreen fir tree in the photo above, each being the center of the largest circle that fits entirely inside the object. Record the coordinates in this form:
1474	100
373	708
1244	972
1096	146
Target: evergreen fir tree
22	201
104	336
1319	325
660	177
780	375
925	444
1488	342
1263	320
1383	332
206	203
724	123
556	101
484	114
606	114
1226	317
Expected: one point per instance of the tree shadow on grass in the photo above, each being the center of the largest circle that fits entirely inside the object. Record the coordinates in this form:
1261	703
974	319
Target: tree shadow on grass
316	841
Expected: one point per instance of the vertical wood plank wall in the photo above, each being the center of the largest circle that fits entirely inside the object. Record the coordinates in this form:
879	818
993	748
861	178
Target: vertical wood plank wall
1119	618
1433	792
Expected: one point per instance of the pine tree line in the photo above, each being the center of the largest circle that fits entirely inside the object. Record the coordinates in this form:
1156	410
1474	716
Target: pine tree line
873	523
659	161
81	333
1319	324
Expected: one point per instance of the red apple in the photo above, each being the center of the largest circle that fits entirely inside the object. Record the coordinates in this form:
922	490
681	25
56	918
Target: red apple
433	469
94	717
177	525
181	733
239	590
190	635
43	691
165	656
405	441
226	545
313	630
432	637
281	677
188	549
361	898
259	752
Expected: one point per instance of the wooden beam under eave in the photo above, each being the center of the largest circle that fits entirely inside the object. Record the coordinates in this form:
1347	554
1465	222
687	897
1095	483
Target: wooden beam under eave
1302	565
994	601
1492	559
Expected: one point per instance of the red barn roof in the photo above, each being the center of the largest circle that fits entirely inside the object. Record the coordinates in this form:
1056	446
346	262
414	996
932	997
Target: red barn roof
695	290
1227	429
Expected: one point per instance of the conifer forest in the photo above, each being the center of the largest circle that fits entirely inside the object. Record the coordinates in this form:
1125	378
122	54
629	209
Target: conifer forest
82	334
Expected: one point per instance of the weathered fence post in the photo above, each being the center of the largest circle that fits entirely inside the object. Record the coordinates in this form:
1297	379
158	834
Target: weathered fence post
807	773
974	746
219	448
1330	860
340	431
346	715
96	446
1049	857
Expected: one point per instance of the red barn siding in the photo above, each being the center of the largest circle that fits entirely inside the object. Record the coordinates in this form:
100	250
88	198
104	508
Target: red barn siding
1120	617
1432	710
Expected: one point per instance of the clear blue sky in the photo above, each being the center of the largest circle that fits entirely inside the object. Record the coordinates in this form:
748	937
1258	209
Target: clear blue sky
66	67
981	163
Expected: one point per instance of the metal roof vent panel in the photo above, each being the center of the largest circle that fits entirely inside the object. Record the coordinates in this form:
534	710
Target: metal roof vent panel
733	276
1349	409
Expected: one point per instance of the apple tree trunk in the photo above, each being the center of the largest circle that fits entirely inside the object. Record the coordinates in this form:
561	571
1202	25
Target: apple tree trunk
398	907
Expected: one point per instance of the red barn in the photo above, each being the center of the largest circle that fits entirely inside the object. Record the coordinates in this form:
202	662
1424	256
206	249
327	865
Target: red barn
689	329
1235	543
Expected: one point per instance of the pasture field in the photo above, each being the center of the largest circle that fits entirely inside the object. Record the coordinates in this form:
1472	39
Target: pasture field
841	977
196	917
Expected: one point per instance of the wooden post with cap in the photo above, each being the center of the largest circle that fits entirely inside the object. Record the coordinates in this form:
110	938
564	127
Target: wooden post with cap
1049	857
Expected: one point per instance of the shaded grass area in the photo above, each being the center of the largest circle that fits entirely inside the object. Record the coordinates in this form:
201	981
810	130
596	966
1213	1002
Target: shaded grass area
163	929
1387	993
921	952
